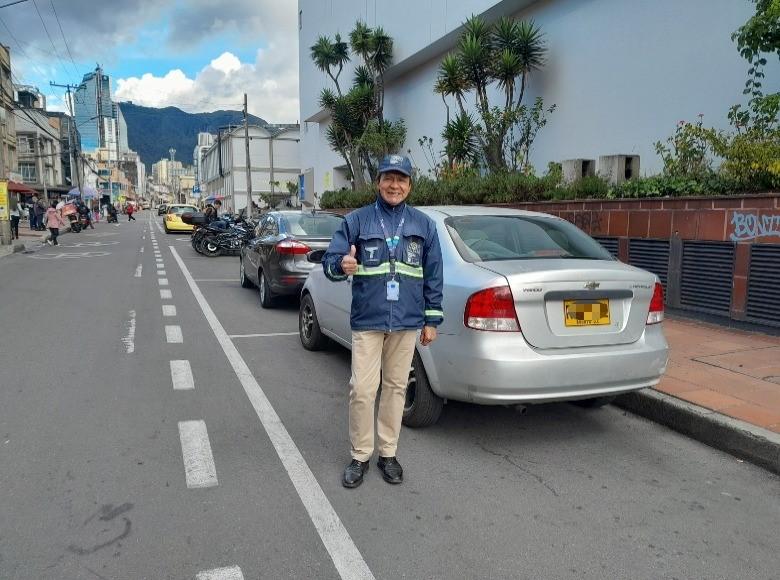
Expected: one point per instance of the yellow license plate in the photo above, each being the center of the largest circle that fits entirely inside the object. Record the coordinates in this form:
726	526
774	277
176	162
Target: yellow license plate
586	312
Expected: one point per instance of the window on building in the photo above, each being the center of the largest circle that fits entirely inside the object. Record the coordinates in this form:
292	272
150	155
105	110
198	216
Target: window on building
25	145
28	172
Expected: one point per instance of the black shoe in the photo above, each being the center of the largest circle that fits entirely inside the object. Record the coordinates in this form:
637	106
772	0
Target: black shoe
353	474
392	472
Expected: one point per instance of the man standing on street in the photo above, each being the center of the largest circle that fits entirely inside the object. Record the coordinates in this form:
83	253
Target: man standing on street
130	210
392	251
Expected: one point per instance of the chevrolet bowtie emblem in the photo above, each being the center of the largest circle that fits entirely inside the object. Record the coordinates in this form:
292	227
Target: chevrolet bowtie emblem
592	285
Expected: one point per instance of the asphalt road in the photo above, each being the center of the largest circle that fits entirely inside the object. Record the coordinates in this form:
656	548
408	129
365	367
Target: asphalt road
102	474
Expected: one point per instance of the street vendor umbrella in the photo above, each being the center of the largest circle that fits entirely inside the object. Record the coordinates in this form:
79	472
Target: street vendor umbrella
89	192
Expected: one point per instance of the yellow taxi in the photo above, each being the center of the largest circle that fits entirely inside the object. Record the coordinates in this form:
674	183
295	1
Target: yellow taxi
172	221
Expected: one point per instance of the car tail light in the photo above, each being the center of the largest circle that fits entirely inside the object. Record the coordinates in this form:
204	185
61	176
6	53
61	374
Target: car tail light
492	309
656	313
292	247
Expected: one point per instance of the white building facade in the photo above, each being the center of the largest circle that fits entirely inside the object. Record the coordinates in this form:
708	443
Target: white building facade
622	73
274	154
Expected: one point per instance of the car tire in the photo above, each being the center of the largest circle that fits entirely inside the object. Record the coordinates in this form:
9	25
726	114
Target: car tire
245	282
423	407
595	402
165	228
309	327
266	296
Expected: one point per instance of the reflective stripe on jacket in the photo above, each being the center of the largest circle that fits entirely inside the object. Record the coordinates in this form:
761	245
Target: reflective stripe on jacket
418	268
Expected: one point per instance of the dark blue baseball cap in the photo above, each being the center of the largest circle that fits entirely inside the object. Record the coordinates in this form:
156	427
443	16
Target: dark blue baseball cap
398	163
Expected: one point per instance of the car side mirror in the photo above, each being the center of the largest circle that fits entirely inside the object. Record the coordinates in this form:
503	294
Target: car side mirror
316	256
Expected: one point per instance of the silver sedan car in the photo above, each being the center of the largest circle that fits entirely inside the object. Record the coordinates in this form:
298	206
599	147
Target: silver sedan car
535	311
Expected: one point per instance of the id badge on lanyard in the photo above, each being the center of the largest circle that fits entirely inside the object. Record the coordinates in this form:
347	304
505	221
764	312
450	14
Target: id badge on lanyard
393	287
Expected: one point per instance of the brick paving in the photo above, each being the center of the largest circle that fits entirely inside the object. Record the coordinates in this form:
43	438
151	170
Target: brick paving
733	372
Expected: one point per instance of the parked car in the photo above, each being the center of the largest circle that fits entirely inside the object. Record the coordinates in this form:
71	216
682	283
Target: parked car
162	209
276	260
173	222
535	311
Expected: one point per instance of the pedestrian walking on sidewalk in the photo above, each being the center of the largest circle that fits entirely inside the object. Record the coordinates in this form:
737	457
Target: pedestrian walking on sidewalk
392	251
40	212
53	221
16	215
130	210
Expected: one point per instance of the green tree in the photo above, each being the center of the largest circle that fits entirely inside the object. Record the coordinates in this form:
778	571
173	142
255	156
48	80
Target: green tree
503	55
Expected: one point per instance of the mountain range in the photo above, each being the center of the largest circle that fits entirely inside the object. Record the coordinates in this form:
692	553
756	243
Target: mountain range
151	132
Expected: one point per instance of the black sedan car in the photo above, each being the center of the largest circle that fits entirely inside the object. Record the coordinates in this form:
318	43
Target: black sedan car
161	209
277	259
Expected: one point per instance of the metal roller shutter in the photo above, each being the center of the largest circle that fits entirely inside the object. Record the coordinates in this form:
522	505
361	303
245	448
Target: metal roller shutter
610	244
650	255
763	297
707	276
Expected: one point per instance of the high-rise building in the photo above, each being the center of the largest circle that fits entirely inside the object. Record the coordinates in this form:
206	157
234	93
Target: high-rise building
92	101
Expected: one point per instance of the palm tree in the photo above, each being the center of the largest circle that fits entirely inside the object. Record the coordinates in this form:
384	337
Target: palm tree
531	47
328	54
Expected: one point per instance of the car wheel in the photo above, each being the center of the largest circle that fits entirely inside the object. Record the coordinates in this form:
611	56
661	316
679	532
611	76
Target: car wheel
245	282
423	407
266	296
595	402
165	228
309	327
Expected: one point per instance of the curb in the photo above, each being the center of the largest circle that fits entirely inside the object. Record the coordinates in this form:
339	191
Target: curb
741	439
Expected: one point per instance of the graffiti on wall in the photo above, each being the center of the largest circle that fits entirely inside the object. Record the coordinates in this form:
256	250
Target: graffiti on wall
749	226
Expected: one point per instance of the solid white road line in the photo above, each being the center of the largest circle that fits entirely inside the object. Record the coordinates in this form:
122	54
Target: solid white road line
263	335
129	338
138	270
162	281
345	555
169	309
231	573
166	294
173	334
199	466
181	375
215	280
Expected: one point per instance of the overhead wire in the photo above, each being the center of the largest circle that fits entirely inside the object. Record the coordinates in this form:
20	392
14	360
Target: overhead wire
65	40
62	63
19	45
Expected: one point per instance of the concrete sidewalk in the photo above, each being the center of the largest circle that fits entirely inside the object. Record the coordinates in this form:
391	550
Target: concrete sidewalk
722	387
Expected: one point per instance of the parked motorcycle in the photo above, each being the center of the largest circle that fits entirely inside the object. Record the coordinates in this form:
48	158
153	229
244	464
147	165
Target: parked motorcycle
216	242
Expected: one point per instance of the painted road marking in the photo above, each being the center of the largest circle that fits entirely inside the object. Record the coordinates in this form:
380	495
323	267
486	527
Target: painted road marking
230	573
173	334
181	375
263	334
162	281
70	255
161	273
345	555
138	271
142	249
166	294
129	338
199	466
169	309
160	266
215	280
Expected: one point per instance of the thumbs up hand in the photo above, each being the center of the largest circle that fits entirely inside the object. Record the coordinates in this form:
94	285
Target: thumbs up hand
349	264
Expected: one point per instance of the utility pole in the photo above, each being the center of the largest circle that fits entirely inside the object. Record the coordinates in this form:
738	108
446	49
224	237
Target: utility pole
248	163
271	160
74	154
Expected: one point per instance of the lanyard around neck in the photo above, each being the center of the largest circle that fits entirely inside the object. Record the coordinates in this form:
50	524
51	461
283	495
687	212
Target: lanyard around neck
392	242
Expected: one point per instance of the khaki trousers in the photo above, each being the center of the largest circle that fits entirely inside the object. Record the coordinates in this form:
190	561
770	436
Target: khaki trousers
372	352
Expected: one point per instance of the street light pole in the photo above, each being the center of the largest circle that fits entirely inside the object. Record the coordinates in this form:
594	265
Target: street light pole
248	163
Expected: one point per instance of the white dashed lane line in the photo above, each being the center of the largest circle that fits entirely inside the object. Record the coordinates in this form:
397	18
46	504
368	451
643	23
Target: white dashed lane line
263	335
169	310
230	573
199	468
160	266
138	271
166	294
161	273
173	334
162	281
181	375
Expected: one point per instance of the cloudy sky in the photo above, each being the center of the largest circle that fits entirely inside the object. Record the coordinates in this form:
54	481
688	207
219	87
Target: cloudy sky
198	55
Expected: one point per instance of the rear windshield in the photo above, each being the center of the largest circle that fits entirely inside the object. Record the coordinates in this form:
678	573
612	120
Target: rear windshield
306	224
489	238
180	209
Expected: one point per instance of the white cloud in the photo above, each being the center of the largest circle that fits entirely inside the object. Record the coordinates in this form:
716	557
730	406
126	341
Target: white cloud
271	83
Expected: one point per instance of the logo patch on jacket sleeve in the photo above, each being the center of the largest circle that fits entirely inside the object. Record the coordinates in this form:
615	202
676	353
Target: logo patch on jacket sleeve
413	252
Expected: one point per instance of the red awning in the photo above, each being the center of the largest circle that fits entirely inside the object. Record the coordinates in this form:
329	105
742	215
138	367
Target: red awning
16	187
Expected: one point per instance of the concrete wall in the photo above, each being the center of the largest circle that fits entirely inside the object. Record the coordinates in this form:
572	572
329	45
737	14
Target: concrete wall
622	72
